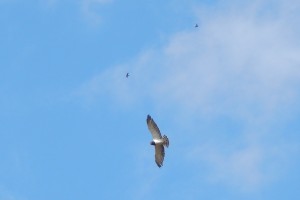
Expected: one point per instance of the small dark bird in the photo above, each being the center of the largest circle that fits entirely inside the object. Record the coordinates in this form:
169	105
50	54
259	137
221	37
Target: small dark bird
127	75
196	26
158	141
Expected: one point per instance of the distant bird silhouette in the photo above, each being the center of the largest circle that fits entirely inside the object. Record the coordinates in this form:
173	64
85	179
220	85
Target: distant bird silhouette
196	26
127	75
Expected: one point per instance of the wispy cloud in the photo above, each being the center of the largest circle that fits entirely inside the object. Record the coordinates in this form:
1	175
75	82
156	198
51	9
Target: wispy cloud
248	61
8	1
51	3
243	165
239	166
6	194
114	85
242	63
89	11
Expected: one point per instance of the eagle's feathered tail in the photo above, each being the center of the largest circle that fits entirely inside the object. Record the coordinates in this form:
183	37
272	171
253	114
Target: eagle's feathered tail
166	141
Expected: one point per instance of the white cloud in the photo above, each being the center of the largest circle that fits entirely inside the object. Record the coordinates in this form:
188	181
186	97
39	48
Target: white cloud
243	63
245	60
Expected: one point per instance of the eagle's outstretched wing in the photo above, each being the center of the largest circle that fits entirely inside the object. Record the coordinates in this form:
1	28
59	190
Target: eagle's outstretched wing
159	155
153	128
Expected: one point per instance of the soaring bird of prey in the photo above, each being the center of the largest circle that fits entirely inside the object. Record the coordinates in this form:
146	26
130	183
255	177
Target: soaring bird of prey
158	141
127	75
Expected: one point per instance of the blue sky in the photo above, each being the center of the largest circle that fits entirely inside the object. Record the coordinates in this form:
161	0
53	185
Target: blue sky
226	93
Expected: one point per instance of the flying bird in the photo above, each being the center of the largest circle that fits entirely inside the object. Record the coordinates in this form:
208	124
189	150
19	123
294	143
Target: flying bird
127	75
196	25
158	141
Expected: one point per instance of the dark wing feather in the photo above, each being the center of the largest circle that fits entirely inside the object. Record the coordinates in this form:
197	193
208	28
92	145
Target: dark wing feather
153	128
159	155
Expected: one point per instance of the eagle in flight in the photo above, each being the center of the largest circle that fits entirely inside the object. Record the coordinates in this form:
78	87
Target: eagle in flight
158	141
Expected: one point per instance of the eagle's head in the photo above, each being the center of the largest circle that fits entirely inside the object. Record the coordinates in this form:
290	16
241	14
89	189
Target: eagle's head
152	143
